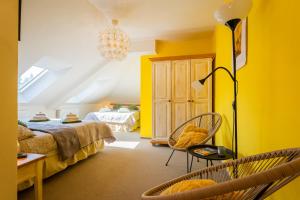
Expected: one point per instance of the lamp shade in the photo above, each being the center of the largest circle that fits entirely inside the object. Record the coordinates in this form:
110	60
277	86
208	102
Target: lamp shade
197	85
236	9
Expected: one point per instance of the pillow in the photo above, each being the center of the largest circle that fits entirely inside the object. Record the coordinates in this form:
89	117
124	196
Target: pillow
133	107
116	106
187	185
24	133
104	110
194	128
22	123
191	135
123	110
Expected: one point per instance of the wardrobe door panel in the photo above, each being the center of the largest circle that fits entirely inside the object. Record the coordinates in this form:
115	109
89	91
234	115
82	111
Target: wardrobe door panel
180	92
199	107
180	113
162	100
181	80
162	119
162	80
201	99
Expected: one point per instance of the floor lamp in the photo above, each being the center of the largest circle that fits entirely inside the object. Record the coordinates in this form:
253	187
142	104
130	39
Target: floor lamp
231	15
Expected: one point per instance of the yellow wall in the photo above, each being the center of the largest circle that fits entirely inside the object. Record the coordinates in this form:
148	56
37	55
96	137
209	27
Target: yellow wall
268	99
201	45
8	102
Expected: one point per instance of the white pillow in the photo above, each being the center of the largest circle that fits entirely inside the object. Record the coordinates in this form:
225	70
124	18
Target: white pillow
104	110
123	110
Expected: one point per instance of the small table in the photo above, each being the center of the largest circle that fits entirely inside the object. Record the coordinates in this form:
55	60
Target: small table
191	150
32	167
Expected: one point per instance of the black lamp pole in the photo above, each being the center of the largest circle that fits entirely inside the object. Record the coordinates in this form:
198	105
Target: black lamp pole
232	25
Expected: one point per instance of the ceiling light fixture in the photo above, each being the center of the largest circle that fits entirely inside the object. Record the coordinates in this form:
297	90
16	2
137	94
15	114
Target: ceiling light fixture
114	43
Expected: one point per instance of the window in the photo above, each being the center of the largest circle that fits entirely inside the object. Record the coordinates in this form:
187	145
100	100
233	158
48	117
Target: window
30	76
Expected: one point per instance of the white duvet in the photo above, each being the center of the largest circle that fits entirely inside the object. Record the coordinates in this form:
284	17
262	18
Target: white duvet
126	118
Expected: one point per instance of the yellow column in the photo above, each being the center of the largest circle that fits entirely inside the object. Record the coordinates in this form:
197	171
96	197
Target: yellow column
8	100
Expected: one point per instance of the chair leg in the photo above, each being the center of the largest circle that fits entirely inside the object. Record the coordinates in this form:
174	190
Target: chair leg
187	161
170	157
191	163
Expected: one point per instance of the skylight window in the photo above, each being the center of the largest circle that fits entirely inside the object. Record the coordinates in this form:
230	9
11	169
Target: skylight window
30	76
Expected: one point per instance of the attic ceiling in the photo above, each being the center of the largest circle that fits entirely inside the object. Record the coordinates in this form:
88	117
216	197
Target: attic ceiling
160	19
62	36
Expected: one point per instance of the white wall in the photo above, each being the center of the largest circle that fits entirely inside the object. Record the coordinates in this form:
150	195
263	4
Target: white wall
64	35
127	88
117	81
66	31
26	112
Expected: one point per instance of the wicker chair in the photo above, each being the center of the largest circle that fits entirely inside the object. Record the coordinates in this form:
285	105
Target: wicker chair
253	177
209	121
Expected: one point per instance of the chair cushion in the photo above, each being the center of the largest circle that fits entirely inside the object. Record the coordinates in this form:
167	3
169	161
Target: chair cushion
191	127
187	185
191	135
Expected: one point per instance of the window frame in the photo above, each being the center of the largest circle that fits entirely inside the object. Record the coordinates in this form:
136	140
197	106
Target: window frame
33	80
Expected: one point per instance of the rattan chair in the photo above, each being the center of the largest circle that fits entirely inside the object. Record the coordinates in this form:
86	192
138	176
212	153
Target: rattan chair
253	177
209	121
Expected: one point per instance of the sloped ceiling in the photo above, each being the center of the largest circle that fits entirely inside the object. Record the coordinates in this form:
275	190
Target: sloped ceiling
160	19
63	34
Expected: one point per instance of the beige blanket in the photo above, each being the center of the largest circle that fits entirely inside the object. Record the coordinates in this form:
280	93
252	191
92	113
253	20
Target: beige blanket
66	138
88	132
71	137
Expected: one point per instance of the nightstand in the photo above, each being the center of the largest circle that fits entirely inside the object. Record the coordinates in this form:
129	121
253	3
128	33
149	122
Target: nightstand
32	167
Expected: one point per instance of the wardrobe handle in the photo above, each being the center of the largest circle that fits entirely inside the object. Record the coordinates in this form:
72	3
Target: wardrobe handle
169	101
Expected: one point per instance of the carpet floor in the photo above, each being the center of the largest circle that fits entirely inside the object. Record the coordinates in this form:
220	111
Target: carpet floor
116	173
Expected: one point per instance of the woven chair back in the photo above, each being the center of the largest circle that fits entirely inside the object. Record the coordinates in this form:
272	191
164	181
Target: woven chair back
253	177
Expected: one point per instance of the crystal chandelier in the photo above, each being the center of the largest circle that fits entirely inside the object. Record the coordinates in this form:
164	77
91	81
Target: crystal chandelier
114	43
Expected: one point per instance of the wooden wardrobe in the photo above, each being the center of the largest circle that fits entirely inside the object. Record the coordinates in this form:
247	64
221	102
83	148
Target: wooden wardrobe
174	100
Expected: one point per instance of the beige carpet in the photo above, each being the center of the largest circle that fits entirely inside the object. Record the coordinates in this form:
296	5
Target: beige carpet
115	173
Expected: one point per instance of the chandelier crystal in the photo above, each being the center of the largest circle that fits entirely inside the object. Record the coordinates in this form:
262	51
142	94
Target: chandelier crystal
114	43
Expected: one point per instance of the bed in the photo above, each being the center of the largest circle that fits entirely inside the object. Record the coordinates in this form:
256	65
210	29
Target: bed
90	136
119	119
